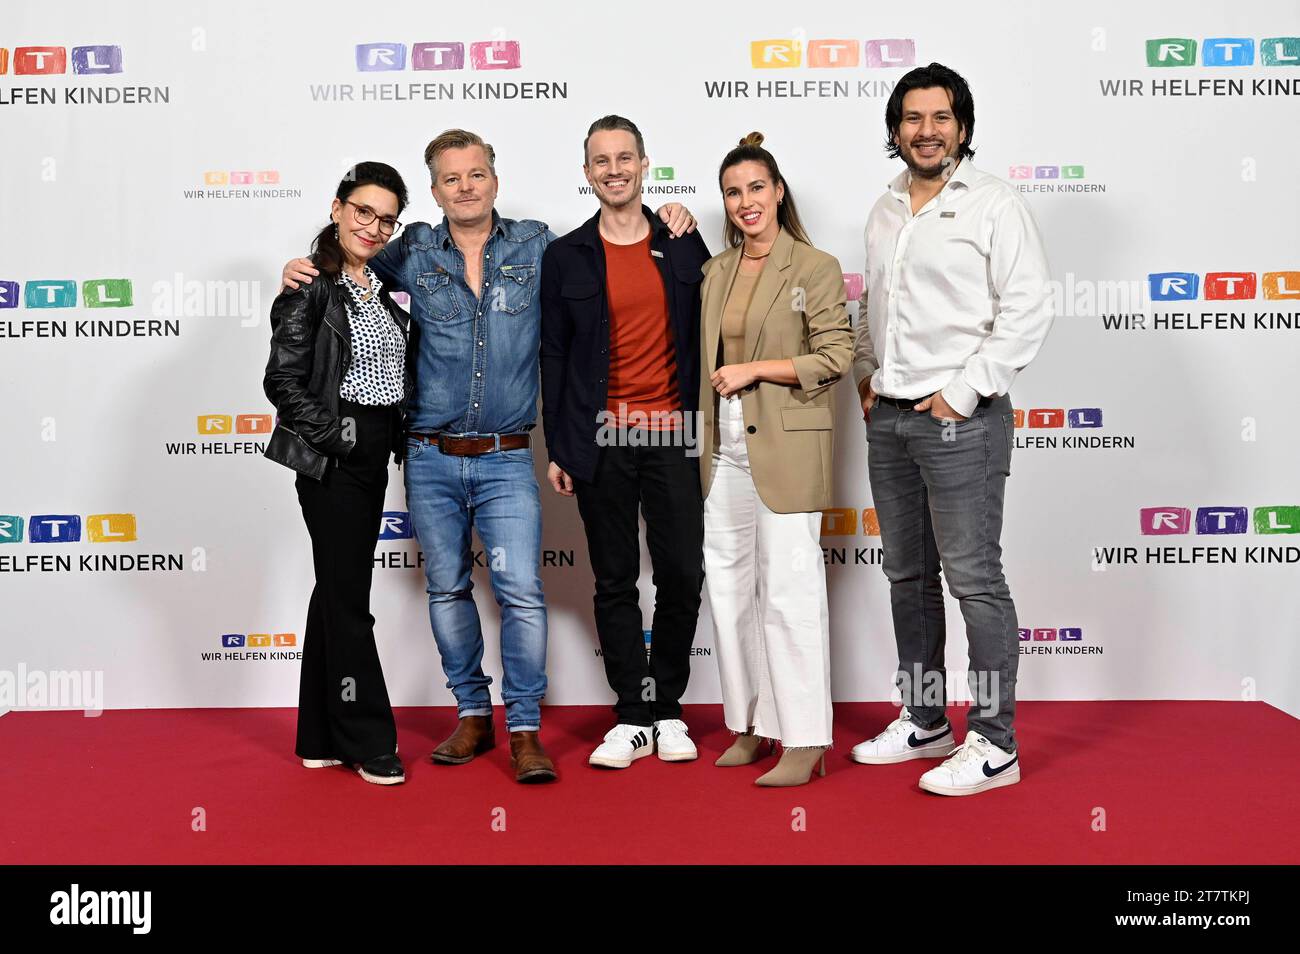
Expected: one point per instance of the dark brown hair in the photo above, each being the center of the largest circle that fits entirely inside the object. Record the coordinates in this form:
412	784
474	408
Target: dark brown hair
926	77
751	150
326	252
610	123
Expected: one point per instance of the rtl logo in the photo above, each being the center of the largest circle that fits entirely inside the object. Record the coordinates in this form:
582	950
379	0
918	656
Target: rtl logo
257	640
1046	172
1224	51
1163	521
53	60
212	424
238	178
788	54
1067	634
395	525
1223	286
67	528
62	293
844	522
438	55
1057	417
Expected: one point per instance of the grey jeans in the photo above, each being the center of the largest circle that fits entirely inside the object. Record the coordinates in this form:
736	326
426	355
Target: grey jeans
938	491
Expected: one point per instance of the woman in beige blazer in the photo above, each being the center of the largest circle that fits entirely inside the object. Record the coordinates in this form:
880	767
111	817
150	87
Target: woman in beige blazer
775	337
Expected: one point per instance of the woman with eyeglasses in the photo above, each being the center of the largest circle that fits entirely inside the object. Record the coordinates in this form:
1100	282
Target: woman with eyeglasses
339	376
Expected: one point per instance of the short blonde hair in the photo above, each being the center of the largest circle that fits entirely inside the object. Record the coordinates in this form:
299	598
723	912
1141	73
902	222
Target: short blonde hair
456	139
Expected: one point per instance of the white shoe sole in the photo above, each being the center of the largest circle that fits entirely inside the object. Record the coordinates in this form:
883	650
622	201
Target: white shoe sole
605	762
690	756
940	750
327	763
380	779
1010	777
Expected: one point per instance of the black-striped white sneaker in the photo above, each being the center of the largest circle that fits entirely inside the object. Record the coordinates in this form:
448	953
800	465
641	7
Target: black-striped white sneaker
673	741
623	745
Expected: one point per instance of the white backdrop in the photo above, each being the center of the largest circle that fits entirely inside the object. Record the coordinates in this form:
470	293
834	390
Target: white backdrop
210	157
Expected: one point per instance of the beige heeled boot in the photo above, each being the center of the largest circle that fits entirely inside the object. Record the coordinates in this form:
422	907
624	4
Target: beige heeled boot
795	768
745	749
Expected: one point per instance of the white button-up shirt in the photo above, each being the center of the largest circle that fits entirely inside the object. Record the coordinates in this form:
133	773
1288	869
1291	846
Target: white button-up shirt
956	297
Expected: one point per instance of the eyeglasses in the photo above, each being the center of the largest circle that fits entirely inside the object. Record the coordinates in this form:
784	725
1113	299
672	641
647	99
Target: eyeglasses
365	215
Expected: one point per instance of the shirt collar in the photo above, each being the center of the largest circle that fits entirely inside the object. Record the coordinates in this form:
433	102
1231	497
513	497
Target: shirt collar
963	177
442	232
351	285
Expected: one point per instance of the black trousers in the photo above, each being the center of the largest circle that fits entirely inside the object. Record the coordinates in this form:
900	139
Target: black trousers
663	483
343	707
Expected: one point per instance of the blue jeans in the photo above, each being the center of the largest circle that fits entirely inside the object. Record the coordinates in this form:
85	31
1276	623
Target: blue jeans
497	493
938	492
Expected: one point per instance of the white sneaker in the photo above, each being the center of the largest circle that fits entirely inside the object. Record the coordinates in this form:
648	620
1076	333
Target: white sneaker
976	766
672	742
623	745
903	740
327	763
320	763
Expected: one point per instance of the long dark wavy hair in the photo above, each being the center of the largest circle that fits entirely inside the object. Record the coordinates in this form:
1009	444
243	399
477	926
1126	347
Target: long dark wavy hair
925	77
751	150
326	252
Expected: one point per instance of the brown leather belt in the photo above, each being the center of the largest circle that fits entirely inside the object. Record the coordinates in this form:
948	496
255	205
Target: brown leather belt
472	446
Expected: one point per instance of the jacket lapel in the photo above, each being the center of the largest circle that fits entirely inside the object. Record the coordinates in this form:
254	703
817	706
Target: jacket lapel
770	285
336	313
715	297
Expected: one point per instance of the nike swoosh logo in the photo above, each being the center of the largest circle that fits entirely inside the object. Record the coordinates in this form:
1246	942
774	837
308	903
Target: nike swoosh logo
915	743
990	772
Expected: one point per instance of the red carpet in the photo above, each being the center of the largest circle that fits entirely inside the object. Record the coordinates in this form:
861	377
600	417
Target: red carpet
1180	782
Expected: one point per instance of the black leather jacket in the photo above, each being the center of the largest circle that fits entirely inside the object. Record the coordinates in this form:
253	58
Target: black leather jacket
311	351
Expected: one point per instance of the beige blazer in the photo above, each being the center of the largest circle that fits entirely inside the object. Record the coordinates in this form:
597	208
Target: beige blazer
797	312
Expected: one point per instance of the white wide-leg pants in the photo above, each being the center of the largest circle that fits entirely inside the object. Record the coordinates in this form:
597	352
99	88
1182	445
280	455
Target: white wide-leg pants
766	583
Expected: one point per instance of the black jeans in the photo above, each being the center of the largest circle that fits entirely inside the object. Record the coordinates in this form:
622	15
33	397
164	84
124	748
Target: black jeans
664	484
343	707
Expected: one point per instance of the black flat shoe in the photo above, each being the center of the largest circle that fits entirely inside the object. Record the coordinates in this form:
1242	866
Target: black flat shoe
382	770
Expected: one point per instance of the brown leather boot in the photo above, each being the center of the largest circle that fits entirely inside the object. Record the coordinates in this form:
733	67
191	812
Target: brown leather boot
474	735
529	759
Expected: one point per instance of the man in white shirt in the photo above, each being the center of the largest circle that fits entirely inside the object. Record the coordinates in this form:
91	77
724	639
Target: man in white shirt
956	303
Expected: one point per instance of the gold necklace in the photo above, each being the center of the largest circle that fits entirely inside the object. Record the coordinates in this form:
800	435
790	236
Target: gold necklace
366	293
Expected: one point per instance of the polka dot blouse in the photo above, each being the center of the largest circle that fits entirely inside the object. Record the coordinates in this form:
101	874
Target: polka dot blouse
377	375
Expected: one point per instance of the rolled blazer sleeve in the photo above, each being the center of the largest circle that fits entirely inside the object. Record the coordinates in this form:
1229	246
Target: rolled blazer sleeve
865	362
826	323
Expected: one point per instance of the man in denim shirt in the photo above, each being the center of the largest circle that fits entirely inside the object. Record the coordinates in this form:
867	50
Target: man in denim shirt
473	282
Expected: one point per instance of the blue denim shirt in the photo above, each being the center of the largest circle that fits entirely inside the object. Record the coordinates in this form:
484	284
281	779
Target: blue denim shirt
477	366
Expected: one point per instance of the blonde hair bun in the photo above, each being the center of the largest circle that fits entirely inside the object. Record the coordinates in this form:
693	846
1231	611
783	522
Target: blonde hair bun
753	139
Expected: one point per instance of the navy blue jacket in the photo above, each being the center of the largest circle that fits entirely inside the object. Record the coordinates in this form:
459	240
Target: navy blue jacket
575	334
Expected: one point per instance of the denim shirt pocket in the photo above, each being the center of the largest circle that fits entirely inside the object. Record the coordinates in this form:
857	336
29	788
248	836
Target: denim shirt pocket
514	291
437	296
